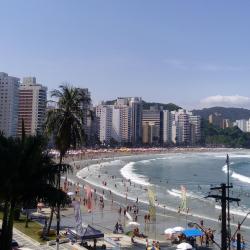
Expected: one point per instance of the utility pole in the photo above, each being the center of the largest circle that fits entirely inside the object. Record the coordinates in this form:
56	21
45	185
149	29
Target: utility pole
224	198
228	205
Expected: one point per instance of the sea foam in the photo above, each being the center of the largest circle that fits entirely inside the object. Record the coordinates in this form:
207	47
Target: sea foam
128	173
235	175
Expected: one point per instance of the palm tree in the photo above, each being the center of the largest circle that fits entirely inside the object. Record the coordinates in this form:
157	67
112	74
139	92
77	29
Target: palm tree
27	173
66	124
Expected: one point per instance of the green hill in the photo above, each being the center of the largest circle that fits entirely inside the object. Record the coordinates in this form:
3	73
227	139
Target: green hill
227	113
228	137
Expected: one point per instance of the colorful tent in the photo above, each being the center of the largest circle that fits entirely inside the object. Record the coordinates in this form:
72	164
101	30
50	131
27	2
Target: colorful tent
192	232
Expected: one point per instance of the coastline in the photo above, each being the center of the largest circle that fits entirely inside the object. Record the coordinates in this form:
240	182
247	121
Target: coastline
94	154
166	217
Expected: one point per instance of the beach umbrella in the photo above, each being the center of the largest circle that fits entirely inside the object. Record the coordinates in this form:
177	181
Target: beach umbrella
178	229
70	193
134	223
169	231
184	246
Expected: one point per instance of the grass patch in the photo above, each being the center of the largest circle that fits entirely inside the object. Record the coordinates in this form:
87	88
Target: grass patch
32	230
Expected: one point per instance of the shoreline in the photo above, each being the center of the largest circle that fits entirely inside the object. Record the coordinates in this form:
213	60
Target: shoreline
92	154
171	216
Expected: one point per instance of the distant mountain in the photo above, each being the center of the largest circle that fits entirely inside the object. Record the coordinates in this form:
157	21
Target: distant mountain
226	113
147	105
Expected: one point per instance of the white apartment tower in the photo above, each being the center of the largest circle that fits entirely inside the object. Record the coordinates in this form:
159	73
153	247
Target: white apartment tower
32	106
185	127
116	124
195	122
165	127
242	125
9	94
104	113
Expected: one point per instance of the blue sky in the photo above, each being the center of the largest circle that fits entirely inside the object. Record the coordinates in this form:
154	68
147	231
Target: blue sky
193	53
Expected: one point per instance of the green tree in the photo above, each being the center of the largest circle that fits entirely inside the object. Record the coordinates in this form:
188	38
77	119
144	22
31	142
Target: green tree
66	124
27	173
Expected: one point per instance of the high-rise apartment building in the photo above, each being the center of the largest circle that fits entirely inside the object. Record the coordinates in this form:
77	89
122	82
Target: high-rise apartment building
241	124
32	106
226	123
104	114
151	117
9	94
87	108
186	127
195	129
165	127
135	103
150	133
183	132
132	118
125	121
216	119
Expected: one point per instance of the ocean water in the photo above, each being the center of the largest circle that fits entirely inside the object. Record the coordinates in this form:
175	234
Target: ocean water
130	177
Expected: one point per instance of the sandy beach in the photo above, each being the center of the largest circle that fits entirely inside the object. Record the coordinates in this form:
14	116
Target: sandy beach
105	218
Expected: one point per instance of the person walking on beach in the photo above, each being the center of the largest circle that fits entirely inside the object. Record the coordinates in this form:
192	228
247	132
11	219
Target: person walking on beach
148	217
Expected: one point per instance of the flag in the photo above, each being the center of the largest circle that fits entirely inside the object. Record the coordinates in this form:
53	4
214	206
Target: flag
151	200
89	197
183	206
78	217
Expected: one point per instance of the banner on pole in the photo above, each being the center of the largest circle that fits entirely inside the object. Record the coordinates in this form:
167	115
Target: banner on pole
89	198
152	199
78	217
183	206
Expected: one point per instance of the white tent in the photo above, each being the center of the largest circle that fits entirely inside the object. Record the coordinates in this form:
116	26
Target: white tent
178	229
169	231
184	246
133	223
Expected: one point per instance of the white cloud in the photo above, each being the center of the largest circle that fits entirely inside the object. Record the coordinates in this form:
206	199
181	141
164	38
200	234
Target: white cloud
226	101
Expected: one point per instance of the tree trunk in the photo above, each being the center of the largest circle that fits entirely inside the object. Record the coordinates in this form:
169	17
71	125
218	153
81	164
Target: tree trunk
50	220
27	218
4	233
11	219
58	204
6	238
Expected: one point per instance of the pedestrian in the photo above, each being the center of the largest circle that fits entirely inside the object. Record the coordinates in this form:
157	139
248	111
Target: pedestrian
149	217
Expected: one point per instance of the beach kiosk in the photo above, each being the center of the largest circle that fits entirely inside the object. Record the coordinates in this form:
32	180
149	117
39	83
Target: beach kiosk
88	233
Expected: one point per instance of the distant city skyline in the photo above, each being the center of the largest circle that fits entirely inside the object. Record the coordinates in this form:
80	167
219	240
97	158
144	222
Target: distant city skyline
194	54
